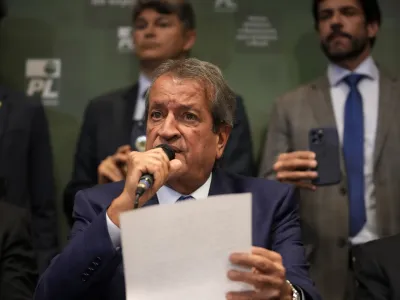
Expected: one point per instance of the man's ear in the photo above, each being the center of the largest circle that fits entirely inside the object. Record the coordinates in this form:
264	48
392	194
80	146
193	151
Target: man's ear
190	39
222	136
372	29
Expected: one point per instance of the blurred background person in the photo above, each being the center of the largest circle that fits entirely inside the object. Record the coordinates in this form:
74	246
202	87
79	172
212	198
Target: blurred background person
26	166
18	267
358	98
377	269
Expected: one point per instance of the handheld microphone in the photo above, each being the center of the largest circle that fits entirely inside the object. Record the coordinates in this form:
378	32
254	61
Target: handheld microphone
147	180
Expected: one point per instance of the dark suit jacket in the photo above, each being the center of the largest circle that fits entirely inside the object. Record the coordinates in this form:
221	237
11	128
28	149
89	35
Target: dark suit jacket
26	167
18	272
91	268
377	266
107	124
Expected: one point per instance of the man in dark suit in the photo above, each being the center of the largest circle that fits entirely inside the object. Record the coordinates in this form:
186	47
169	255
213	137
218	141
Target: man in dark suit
26	168
113	123
191	108
18	271
376	268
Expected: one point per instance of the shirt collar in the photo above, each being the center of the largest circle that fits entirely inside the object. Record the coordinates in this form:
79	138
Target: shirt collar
166	195
368	68
144	84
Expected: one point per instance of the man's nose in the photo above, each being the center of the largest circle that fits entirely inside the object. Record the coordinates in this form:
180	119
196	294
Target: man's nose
169	130
336	21
149	31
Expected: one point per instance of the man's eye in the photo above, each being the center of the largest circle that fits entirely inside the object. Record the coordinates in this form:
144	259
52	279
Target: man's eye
156	115
190	117
140	25
163	24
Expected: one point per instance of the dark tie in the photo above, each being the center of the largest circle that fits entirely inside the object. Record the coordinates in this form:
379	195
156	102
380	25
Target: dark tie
353	151
144	94
183	198
139	129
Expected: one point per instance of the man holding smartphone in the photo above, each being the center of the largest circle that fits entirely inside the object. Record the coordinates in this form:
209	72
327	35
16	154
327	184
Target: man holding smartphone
359	100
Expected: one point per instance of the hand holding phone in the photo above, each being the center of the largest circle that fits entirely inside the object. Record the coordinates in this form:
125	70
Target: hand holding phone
324	142
296	168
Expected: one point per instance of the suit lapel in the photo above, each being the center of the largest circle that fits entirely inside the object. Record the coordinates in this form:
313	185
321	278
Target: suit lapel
386	112
219	183
321	103
125	109
152	201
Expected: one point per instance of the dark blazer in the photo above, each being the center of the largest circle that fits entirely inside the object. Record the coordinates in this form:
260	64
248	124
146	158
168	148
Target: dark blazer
26	167
376	267
18	272
91	268
107	124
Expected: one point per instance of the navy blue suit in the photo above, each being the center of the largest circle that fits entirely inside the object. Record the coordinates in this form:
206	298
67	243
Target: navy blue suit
91	268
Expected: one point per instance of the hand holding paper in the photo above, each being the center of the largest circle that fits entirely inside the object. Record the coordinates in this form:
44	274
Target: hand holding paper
267	275
181	251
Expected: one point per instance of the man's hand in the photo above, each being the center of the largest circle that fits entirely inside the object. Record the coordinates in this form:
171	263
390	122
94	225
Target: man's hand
294	168
267	275
112	168
153	162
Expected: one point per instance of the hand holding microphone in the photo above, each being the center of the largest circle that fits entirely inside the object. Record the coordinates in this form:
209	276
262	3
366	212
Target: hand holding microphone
152	168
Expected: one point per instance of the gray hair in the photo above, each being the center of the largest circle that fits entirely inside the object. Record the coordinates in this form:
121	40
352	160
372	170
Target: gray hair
221	97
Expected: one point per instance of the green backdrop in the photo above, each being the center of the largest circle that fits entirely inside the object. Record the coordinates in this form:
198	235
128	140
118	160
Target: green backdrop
68	51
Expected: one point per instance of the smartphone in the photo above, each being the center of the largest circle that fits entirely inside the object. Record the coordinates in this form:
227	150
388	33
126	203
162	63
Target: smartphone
324	142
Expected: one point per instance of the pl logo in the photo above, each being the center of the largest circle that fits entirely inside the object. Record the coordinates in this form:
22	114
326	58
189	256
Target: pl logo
43	76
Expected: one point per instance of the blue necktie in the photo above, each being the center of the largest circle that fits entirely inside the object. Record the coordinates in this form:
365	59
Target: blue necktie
353	151
183	198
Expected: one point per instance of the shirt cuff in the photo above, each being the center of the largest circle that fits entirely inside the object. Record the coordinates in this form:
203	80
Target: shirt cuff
114	233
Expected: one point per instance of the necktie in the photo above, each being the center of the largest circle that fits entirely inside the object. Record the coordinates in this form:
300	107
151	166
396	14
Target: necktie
138	131
183	198
144	94
353	151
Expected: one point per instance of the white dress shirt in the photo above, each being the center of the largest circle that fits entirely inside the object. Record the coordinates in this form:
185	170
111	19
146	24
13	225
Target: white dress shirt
165	195
369	89
144	84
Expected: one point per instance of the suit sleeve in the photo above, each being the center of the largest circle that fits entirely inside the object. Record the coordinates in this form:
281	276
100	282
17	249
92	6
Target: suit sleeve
41	184
238	154
277	140
286	240
84	173
85	267
18	262
371	280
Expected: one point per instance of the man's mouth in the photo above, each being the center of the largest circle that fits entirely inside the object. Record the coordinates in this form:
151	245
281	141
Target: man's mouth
338	35
176	150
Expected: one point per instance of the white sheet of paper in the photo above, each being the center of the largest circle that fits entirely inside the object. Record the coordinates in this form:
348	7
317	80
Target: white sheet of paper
181	251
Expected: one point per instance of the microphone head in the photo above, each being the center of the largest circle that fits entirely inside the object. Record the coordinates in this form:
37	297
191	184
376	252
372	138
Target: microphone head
168	150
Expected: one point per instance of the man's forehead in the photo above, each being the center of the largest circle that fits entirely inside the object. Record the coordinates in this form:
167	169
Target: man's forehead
172	91
174	83
334	4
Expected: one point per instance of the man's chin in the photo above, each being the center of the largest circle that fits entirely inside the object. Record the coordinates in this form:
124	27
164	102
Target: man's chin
337	54
151	56
177	175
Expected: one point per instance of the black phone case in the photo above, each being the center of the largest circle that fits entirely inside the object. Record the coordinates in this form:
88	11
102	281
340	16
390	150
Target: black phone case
324	142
